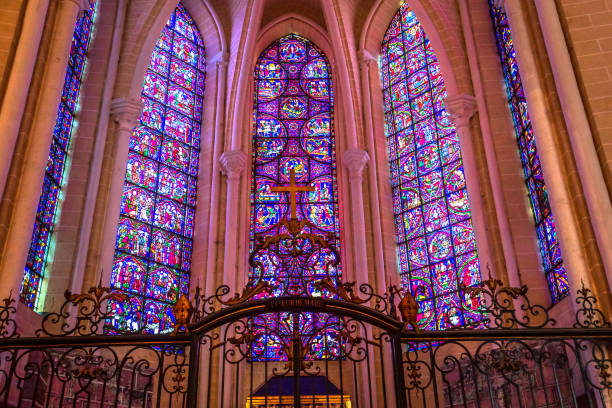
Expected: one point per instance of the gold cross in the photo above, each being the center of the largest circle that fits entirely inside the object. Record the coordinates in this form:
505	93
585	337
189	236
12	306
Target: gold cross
292	189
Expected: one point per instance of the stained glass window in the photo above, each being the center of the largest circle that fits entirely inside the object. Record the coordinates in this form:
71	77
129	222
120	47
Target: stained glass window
436	247
550	250
154	238
49	204
294	131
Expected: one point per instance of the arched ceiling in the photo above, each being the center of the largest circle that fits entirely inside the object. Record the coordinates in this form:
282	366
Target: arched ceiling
311	10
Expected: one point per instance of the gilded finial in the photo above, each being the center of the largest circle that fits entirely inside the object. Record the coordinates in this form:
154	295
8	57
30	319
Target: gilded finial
182	314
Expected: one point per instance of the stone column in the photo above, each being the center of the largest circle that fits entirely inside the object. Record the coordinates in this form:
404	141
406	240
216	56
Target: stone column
589	167
97	159
559	195
233	164
125	112
211	260
461	108
18	84
355	160
19	232
485	127
366	62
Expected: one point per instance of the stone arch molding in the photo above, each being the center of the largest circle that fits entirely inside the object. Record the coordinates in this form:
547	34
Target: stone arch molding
298	24
378	20
292	23
210	28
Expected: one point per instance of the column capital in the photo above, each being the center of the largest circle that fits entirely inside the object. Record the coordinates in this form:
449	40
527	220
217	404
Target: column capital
499	3
81	4
233	164
461	108
220	60
355	161
366	59
125	111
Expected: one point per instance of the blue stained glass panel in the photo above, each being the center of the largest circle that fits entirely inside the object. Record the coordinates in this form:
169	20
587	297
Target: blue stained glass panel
552	262
49	203
430	203
293	130
154	239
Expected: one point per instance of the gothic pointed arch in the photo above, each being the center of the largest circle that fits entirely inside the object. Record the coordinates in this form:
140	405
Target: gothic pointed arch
436	247
294	133
154	241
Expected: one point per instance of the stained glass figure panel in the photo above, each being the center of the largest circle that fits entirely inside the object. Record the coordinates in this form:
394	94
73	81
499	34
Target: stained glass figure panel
294	131
154	239
436	247
550	252
49	203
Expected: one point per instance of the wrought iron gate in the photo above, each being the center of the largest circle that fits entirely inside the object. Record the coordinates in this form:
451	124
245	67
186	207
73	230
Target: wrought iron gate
308	340
220	354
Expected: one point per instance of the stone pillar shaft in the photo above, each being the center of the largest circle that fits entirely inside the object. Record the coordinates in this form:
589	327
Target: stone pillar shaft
233	163
461	109
79	277
18	84
560	199
366	62
483	116
125	112
355	161
589	168
211	260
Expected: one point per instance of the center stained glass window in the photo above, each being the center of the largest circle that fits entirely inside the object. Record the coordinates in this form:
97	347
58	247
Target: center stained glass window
154	238
294	131
436	247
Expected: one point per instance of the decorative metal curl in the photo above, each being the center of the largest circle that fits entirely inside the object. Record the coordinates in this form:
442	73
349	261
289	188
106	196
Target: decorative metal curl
8	325
588	315
344	291
497	306
293	236
205	305
92	312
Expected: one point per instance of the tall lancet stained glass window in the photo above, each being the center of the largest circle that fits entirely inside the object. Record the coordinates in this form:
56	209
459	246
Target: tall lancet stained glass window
154	239
49	204
294	131
538	196
435	240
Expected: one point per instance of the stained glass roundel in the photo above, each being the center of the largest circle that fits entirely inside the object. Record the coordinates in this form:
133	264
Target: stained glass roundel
154	239
435	240
293	132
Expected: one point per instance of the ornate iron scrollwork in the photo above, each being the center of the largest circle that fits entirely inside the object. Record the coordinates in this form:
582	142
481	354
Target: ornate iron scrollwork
498	306
8	325
588	316
92	312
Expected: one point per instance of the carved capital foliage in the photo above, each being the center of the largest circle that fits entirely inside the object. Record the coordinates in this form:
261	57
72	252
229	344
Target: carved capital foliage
499	3
220	60
460	109
233	163
81	4
366	60
355	161
125	112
